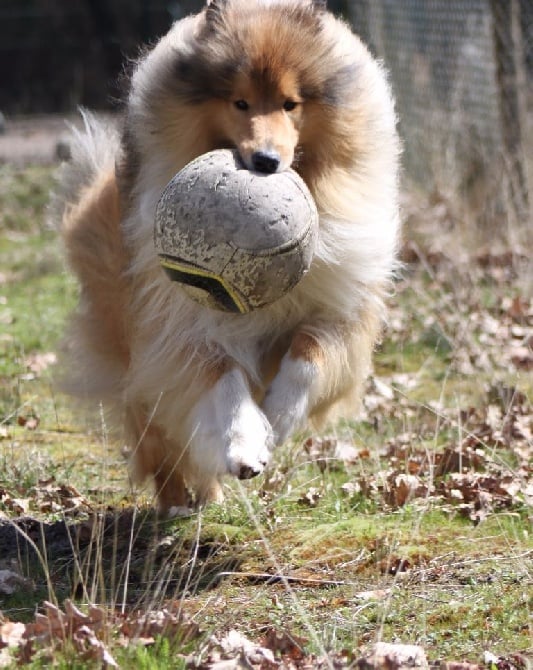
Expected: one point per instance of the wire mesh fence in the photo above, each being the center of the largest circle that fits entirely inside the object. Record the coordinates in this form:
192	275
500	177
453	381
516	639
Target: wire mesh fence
462	73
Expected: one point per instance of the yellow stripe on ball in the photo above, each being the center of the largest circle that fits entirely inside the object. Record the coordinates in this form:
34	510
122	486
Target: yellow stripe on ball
187	270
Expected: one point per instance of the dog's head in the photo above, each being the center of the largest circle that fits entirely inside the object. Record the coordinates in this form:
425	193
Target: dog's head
249	72
264	77
262	118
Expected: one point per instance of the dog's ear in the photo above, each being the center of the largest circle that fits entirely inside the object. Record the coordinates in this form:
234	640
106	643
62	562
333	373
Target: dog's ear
214	10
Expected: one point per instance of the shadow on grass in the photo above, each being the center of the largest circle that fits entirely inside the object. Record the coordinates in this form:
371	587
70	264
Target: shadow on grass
125	558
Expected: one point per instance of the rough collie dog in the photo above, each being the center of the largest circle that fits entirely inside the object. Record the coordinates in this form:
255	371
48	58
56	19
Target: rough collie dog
203	393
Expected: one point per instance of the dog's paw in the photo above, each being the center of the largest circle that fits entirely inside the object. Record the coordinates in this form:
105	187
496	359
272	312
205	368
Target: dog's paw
229	433
248	442
287	401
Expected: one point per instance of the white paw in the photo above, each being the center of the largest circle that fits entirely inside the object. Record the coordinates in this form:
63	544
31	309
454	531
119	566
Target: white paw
230	434
288	400
248	441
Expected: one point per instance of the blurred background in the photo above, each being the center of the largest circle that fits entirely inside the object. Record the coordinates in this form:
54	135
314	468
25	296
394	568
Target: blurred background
462	73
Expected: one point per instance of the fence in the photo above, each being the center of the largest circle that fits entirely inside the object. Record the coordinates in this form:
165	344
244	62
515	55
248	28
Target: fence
460	69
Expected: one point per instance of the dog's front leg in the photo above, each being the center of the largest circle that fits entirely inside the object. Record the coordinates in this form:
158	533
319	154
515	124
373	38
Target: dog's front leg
229	433
321	366
296	387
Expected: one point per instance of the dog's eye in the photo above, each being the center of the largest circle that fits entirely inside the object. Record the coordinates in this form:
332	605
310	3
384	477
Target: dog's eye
289	105
242	105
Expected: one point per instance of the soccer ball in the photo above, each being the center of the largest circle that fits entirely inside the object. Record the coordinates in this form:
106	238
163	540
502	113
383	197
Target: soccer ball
235	240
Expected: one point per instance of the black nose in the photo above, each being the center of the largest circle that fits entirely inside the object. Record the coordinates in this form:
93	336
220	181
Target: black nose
265	161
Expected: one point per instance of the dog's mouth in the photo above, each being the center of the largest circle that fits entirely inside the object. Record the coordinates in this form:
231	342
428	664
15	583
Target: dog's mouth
265	161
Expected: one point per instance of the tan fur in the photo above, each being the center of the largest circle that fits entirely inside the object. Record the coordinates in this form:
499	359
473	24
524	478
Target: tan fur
307	348
96	252
153	457
138	343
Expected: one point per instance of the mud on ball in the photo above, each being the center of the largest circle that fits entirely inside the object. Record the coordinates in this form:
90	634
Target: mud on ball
236	240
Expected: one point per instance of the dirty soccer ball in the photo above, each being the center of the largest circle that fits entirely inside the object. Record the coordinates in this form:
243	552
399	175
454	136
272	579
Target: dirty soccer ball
235	240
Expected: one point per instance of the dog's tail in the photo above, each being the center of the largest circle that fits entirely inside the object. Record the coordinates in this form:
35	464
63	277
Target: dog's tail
93	149
87	211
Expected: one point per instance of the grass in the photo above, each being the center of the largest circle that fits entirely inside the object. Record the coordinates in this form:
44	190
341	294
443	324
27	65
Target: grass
446	564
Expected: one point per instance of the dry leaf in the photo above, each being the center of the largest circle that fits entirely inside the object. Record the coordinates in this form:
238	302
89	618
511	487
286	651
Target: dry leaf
91	648
311	497
30	422
19	506
11	634
235	644
346	452
522	358
458	459
284	644
401	488
351	488
377	594
385	656
39	362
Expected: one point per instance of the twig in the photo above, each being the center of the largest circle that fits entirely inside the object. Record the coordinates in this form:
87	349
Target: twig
268	578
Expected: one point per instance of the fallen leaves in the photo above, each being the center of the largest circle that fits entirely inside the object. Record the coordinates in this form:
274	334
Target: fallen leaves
311	497
393	657
234	650
455	319
473	494
469	474
11	637
91	633
402	488
279	649
38	362
53	628
95	634
331	453
516	661
46	496
28	421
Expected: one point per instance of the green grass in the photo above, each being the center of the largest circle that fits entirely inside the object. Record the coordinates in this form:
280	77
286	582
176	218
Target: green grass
442	578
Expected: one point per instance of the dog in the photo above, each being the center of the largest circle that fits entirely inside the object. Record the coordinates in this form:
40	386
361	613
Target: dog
202	393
